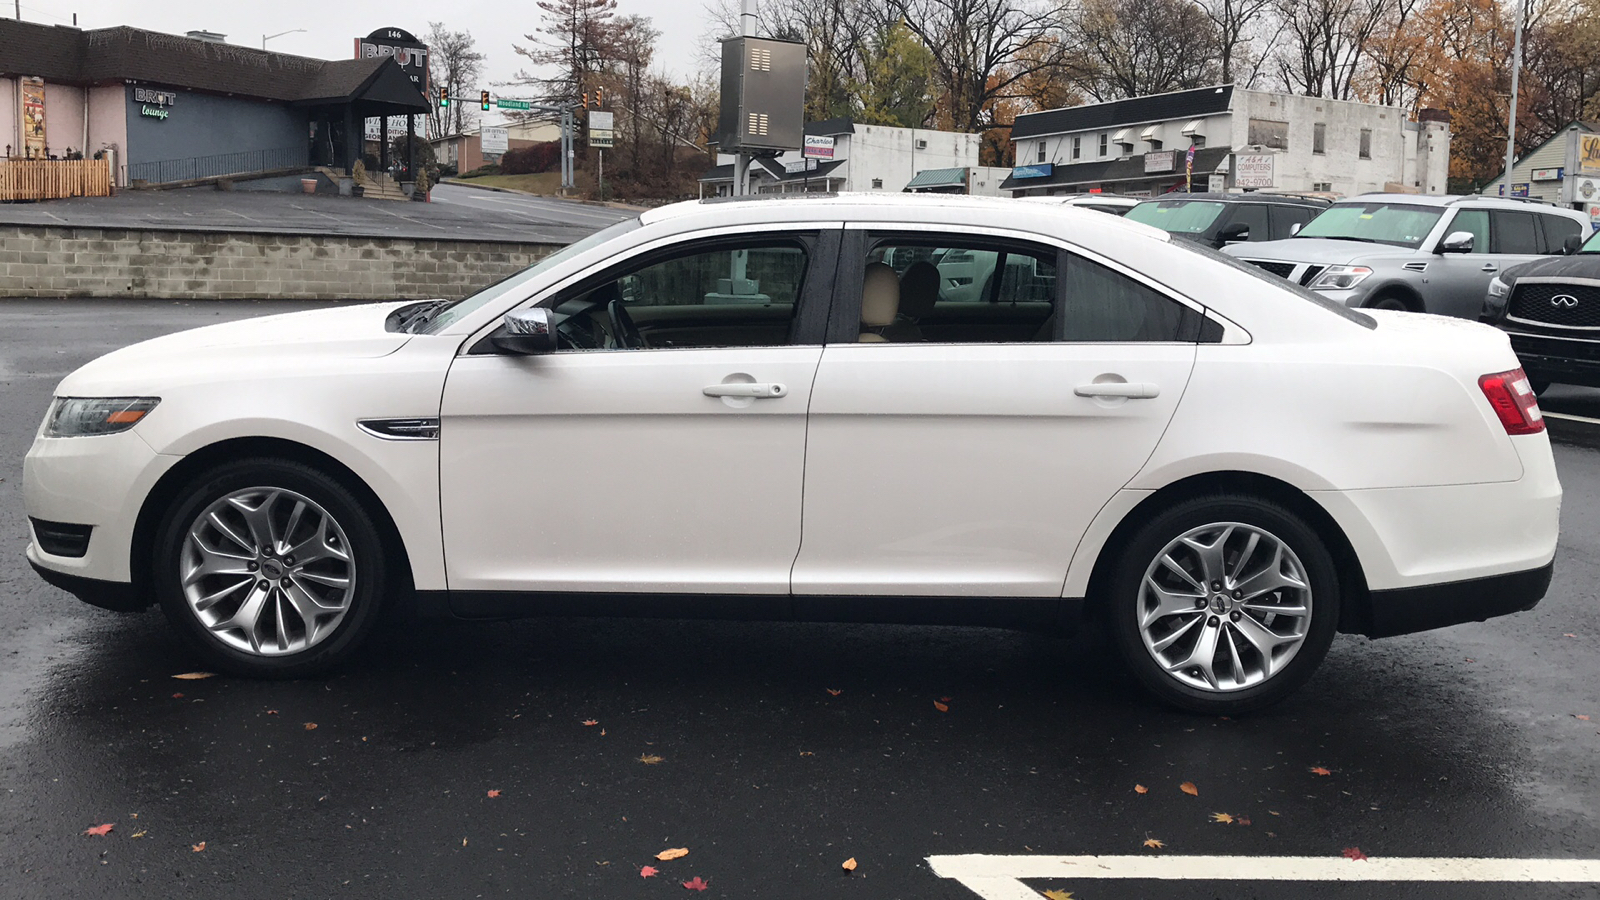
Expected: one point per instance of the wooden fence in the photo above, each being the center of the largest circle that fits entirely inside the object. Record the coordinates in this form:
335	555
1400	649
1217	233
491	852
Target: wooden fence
52	179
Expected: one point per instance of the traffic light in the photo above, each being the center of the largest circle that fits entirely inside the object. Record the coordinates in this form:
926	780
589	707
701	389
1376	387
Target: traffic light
444	98
599	98
585	99
484	96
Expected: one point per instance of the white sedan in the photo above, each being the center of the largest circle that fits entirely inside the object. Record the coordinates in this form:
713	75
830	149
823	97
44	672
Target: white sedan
772	409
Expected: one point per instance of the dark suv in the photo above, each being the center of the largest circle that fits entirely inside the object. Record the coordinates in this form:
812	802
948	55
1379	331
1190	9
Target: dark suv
1220	219
1551	310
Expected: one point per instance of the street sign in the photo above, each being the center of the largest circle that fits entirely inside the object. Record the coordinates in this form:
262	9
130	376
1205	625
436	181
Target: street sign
1255	170
513	104
600	128
796	166
494	141
818	147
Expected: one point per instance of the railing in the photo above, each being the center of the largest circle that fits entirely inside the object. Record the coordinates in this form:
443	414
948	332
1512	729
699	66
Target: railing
54	179
246	162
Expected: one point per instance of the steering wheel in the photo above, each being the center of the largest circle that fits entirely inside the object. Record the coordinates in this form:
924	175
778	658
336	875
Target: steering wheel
622	328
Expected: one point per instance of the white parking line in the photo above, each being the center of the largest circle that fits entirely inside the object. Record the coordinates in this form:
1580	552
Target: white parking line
1000	877
1570	417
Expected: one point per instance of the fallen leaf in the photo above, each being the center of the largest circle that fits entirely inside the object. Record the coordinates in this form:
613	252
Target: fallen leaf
1272	812
1140	789
178	696
138	834
463	842
589	722
834	691
1581	717
199	847
602	732
648	872
1318	770
1354	853
1188	788
695	884
1223	818
99	830
849	865
1058	895
311	726
193	676
941	707
493	793
944	699
650	759
674	853
1243	820
1153	843
808	753
272	712
1569	634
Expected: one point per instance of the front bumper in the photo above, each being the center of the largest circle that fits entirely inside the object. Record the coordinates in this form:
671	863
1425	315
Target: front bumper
117	596
1559	359
1409	610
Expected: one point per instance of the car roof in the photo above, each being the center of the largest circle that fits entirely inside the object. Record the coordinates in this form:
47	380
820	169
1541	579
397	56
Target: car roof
1443	200
1252	197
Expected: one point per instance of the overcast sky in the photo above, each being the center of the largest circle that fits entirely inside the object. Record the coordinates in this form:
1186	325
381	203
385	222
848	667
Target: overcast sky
332	26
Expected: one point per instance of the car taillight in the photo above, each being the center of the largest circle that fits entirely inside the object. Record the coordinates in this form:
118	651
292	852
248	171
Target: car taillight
1514	402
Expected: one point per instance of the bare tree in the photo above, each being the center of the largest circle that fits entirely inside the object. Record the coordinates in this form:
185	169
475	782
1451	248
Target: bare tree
1324	43
576	39
455	65
1129	48
1233	23
635	46
981	49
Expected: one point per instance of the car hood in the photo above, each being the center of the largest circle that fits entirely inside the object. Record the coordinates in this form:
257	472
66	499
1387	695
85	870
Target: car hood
268	343
1324	251
1580	265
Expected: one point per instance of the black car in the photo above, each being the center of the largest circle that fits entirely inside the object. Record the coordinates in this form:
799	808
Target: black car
1219	219
1551	310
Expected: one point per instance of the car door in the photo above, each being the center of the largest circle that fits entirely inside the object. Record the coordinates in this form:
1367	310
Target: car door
674	466
1458	282
970	462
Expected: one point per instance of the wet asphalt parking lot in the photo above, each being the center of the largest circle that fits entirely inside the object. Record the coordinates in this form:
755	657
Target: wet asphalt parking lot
772	752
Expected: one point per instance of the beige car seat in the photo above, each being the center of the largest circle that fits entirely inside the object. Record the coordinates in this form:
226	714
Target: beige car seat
880	302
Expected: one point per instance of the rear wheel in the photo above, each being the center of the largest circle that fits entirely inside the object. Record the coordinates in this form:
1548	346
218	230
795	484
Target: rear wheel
1224	604
269	568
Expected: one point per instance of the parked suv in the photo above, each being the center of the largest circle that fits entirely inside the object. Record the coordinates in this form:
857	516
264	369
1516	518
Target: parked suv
1217	220
1417	253
1551	309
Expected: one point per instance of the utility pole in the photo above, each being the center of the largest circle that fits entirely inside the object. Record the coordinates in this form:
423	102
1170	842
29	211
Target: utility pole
1511	123
741	160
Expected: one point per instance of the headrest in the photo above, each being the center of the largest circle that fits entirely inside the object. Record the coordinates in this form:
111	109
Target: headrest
880	296
919	289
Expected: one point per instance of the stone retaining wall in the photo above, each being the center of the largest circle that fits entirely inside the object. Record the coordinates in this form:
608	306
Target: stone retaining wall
105	262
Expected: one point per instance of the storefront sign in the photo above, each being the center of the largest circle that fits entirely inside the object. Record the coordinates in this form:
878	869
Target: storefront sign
154	112
1519	190
1254	170
1547	174
33	142
796	166
1039	170
1589	154
600	128
494	141
410	53
1217	184
818	147
1160	161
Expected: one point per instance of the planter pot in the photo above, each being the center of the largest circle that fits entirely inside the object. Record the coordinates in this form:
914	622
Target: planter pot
309	185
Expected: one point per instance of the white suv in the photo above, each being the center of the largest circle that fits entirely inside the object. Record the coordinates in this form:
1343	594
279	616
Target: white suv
741	409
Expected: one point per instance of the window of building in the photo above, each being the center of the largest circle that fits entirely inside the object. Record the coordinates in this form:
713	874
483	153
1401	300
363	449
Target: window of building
1366	143
1319	138
877	184
1266	133
1039	157
1322	186
1105	140
1077	146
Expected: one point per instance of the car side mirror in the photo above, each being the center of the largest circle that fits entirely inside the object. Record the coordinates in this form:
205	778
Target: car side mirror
1572	244
1294	229
1457	242
1238	231
526	332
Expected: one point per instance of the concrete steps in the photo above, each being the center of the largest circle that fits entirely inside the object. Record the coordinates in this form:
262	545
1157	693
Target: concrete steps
378	186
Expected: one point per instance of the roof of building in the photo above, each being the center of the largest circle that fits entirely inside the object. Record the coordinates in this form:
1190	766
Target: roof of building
718	173
1588	127
1132	111
932	178
1206	160
63	54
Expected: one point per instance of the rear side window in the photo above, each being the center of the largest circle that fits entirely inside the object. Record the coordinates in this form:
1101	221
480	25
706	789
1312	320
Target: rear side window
1101	305
1556	231
1514	232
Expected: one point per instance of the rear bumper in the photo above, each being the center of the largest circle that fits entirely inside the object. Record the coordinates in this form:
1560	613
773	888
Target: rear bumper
1408	610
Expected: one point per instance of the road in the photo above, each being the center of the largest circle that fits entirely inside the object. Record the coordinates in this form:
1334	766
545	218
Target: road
772	752
535	210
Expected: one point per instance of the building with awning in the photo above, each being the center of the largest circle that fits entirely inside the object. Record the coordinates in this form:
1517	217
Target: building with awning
1225	137
172	108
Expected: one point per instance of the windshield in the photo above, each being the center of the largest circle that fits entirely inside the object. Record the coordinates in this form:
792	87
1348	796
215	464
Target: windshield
1400	224
467	305
1177	216
1592	245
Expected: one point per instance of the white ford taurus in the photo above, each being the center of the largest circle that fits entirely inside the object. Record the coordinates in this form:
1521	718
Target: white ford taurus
853	408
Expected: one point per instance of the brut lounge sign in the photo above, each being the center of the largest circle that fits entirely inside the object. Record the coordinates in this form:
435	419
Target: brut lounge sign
153	103
410	53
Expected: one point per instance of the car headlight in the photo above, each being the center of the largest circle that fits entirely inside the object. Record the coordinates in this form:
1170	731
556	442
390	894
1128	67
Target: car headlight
1338	278
1498	288
84	416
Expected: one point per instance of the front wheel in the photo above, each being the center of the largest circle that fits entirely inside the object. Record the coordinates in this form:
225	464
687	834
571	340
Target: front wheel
1224	604
269	568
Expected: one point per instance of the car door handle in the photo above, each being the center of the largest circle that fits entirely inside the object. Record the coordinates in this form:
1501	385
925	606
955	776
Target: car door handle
759	390
1490	267
1130	390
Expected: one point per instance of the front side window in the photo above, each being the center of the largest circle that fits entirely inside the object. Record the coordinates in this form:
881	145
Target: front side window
1254	217
1474	222
1177	216
723	296
1400	224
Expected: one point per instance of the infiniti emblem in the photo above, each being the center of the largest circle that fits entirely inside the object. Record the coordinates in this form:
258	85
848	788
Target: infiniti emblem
1565	301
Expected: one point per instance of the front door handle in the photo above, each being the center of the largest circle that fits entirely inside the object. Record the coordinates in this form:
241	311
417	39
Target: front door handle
1129	390
1490	267
759	390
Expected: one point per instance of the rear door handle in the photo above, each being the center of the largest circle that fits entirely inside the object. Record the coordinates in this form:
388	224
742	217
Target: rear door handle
759	390
1130	390
1490	267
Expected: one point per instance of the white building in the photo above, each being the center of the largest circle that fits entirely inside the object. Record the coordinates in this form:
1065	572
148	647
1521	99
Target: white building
863	158
1241	139
1564	170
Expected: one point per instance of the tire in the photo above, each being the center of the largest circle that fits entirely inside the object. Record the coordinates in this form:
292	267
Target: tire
1389	301
304	623
1221	686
